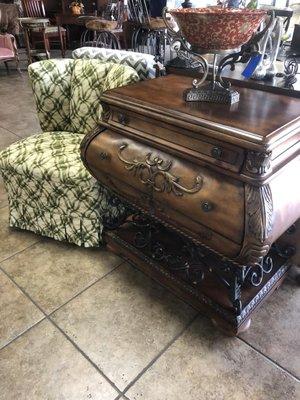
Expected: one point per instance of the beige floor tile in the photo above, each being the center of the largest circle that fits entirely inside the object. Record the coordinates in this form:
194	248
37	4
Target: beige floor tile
23	124
7	138
123	322
53	272
17	313
12	240
43	365
18	114
275	328
14	84
204	365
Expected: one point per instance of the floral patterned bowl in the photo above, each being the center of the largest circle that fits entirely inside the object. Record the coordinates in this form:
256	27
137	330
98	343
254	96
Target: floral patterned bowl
217	29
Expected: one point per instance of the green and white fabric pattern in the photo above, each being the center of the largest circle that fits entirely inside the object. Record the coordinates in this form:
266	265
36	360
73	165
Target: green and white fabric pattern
144	64
50	191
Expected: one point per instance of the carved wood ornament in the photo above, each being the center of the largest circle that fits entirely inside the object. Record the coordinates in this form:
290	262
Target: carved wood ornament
258	163
258	222
154	172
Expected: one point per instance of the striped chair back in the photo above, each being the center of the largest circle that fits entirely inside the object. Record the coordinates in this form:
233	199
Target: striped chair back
34	8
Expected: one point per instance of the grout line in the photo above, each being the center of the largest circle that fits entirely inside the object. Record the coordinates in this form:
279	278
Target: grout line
86	356
274	363
64	334
164	349
21	251
4	204
8	130
121	393
255	349
121	396
22	333
86	288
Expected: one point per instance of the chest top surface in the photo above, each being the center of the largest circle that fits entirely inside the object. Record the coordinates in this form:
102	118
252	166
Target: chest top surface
260	117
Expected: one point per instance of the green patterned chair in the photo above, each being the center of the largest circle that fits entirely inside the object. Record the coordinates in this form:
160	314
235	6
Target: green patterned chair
49	190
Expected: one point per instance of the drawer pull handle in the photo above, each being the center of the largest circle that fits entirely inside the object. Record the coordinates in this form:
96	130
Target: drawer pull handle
154	172
216	152
123	119
103	155
207	206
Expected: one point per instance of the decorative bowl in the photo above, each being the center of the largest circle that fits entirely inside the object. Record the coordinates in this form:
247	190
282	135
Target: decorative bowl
217	29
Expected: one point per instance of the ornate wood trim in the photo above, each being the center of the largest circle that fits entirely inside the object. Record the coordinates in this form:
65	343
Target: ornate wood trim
106	112
258	223
258	163
154	172
87	140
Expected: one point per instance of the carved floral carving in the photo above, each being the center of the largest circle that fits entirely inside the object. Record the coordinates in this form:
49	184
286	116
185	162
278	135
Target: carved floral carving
154	172
106	112
258	163
258	223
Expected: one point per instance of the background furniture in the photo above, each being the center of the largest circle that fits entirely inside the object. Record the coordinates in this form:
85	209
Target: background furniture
30	25
144	64
74	24
106	31
49	190
101	33
9	14
48	33
8	50
212	189
148	34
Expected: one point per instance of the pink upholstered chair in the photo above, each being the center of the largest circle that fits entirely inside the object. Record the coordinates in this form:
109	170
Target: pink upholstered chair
8	50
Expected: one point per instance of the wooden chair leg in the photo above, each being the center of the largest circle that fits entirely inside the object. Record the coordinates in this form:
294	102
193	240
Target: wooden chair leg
47	46
6	67
65	37
62	42
27	45
18	64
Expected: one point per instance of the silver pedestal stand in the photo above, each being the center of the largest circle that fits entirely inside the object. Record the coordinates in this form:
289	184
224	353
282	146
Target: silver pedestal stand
214	90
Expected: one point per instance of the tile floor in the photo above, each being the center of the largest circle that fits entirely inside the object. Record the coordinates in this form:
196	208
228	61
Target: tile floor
83	324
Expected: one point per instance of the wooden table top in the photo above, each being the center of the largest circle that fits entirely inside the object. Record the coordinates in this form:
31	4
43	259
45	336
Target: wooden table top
260	117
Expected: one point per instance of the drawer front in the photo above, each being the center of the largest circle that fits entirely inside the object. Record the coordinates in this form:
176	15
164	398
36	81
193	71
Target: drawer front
170	186
225	155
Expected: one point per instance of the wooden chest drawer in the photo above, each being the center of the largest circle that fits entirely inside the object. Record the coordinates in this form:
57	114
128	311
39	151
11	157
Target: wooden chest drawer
198	145
169	186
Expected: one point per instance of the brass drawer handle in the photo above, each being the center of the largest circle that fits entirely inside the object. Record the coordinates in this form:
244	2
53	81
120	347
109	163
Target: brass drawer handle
123	119
207	206
216	152
103	155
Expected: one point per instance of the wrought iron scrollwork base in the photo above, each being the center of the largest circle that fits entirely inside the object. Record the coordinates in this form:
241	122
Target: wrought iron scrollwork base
194	264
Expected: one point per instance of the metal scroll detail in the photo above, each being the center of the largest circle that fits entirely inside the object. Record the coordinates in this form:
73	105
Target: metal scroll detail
188	263
194	264
154	172
247	50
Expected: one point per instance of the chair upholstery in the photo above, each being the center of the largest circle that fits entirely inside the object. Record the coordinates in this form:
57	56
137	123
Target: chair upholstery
50	192
144	64
8	50
7	47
